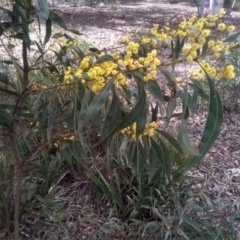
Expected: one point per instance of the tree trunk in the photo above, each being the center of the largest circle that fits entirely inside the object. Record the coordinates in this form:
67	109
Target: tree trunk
201	8
215	6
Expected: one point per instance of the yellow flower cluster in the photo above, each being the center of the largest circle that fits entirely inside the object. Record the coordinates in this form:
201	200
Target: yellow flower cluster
217	47
222	26
211	71
228	72
148	131
99	73
68	76
195	31
162	35
132	48
151	62
145	40
191	51
84	63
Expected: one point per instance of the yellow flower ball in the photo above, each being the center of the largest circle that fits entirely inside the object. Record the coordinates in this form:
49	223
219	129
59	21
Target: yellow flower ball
230	28
221	26
201	40
189	58
231	75
211	43
216	55
205	32
230	67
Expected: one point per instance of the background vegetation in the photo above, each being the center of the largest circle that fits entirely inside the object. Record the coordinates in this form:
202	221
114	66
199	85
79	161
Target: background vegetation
70	111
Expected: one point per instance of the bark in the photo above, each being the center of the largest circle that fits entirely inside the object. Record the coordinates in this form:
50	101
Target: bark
215	6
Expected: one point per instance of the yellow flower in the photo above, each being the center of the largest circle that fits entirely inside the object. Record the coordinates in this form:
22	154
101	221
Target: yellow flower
156	62
201	40
185	50
126	39
231	75
216	55
230	67
221	26
189	58
193	54
222	11
230	28
205	32
211	43
195	46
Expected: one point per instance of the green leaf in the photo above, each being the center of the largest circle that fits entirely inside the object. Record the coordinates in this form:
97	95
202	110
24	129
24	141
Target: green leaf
6	119
4	78
213	124
170	77
171	140
142	120
15	17
44	110
135	113
42	9
39	48
74	31
25	29
53	115
199	91
93	49
35	108
205	46
5	26
8	62
191	223
154	112
52	68
178	47
48	31
105	58
114	115
152	164
57	35
78	51
135	159
81	93
6	11
17	36
155	90
13	93
139	160
57	20
123	146
99	100
186	97
67	36
131	116
170	109
232	37
162	155
185	113
137	76
142	159
184	140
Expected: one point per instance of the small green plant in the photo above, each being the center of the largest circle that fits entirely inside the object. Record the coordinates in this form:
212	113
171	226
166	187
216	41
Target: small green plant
69	104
